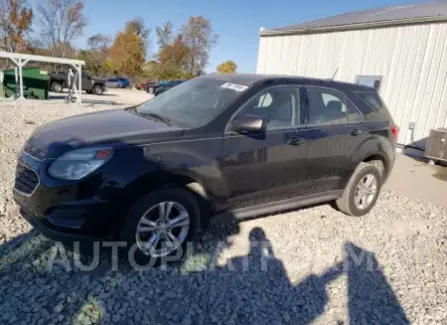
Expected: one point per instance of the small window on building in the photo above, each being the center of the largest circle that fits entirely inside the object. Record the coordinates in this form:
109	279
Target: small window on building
370	81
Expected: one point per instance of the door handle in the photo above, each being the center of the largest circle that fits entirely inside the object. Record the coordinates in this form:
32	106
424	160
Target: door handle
356	131
295	141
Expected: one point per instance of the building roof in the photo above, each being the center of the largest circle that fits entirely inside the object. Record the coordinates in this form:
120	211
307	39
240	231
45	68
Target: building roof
380	17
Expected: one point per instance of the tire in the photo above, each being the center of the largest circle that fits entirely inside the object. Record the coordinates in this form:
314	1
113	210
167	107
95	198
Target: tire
347	203
56	87
147	208
380	166
98	90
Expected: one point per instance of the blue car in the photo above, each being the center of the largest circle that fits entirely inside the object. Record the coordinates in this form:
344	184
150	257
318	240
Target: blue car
125	83
118	83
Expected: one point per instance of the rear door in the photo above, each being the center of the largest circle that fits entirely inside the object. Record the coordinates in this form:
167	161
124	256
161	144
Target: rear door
335	129
263	168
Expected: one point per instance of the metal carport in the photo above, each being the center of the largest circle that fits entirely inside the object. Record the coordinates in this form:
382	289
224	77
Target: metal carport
20	60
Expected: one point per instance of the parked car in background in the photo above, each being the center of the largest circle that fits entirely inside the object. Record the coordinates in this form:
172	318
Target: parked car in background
118	83
145	84
125	83
152	175
58	81
163	86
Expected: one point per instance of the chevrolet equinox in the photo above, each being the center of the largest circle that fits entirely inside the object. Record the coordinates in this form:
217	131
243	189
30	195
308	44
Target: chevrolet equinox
153	174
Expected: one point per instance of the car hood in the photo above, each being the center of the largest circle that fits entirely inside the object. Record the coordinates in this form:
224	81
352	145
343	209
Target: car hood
111	127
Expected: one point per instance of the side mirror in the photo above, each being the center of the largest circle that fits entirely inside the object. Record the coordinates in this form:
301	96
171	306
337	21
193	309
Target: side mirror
249	124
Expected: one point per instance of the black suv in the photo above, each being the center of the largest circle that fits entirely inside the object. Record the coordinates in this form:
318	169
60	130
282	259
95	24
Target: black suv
152	175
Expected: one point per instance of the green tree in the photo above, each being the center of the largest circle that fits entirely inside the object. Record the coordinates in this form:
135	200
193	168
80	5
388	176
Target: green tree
199	36
227	67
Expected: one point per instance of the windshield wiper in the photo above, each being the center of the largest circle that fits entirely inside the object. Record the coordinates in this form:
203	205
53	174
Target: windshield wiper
157	117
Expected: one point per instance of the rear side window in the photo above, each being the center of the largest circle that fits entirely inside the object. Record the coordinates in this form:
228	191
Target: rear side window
373	107
330	107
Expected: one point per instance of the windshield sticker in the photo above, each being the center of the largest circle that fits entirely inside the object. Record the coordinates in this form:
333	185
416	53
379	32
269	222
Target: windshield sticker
236	87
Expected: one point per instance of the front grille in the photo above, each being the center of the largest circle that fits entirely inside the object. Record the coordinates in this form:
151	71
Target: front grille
26	180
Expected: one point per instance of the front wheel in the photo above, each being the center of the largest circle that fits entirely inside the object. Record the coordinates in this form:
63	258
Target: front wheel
362	191
160	225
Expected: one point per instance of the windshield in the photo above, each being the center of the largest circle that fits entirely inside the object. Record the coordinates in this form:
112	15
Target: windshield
193	103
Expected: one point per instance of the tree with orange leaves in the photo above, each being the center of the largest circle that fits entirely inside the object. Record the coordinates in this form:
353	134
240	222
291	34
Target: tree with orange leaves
15	21
128	52
227	67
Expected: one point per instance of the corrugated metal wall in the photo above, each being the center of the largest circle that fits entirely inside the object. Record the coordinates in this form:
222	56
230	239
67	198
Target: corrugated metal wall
412	61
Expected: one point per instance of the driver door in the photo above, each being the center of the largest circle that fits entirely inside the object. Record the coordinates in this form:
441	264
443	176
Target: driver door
267	167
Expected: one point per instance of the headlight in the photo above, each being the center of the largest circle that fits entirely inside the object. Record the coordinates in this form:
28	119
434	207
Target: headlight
79	163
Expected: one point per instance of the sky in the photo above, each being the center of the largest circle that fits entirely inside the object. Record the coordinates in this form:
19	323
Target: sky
237	22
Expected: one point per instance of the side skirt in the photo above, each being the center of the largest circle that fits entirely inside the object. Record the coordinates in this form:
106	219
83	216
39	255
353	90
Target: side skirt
288	204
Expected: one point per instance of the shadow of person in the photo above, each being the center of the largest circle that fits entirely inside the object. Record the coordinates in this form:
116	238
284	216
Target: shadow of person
259	283
248	289
371	300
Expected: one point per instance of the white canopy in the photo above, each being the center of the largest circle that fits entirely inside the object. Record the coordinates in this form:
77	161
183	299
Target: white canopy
22	59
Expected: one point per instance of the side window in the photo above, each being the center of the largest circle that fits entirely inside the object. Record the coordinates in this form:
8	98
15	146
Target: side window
279	106
327	107
372	106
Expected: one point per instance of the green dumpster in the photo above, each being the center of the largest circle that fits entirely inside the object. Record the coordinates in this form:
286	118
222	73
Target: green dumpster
35	83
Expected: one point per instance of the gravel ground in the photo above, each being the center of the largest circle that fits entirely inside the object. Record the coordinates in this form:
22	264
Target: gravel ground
313	265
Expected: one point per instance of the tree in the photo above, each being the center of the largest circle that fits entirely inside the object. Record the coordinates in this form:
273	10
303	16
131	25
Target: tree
227	67
15	21
128	52
164	35
137	27
62	21
96	55
199	36
173	60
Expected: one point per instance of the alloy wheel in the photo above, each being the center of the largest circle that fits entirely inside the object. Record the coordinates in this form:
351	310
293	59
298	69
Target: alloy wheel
365	191
162	229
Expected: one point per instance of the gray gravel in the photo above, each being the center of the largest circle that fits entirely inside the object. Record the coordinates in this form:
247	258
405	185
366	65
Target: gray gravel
389	267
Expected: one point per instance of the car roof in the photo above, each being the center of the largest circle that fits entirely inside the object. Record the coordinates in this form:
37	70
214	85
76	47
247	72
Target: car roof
251	79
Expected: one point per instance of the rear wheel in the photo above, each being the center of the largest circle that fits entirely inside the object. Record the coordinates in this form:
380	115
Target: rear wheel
160	225
97	90
362	191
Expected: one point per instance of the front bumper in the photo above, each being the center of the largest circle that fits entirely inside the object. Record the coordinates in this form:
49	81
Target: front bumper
65	210
51	232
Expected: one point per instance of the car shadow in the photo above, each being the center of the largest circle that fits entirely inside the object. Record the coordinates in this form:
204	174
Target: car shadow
38	277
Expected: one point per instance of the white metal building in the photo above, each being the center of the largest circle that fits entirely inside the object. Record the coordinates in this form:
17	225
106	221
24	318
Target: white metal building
400	50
